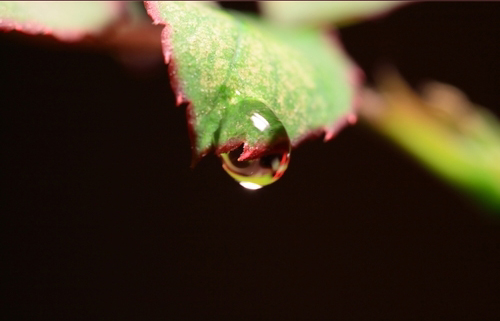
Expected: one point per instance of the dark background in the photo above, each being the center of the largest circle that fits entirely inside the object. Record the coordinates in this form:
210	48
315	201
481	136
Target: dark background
103	217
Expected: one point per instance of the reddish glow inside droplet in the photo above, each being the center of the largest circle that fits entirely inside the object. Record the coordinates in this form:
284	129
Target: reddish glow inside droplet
256	173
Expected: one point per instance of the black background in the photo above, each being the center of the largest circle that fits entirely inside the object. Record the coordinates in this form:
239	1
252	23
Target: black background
103	217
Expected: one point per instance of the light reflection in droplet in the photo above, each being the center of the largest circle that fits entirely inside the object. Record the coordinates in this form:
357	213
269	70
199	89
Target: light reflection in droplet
260	122
250	185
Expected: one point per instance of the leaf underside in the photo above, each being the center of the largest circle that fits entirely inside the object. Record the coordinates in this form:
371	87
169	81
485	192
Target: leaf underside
218	59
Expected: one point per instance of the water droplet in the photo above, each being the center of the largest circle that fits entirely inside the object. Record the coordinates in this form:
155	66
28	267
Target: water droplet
256	173
273	148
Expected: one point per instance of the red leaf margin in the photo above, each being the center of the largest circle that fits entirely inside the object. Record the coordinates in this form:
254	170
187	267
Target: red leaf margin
154	13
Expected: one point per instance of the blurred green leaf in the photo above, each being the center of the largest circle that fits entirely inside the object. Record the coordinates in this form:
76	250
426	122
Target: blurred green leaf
66	20
324	12
455	138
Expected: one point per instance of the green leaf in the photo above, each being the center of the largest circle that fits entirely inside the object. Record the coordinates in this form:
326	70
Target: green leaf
321	12
66	20
224	64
